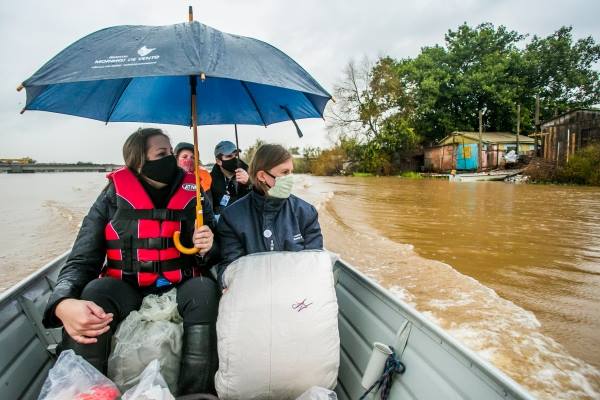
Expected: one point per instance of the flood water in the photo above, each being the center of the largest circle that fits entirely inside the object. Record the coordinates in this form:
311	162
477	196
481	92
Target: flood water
513	271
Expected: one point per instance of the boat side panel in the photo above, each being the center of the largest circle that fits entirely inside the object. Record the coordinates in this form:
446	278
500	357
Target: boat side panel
14	338
24	359
15	381
434	368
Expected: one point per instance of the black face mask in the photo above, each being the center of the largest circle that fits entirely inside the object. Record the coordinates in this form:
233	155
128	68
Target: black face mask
162	170
230	165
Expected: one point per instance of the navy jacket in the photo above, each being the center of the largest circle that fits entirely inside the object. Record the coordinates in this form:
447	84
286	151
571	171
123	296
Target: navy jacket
218	187
256	224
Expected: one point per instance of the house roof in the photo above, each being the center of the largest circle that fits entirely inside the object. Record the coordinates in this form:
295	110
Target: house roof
594	110
489	137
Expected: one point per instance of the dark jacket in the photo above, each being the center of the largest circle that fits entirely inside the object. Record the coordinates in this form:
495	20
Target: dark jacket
87	257
220	186
257	224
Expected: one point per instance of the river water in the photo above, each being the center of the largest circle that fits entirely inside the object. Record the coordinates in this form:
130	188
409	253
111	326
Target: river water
513	271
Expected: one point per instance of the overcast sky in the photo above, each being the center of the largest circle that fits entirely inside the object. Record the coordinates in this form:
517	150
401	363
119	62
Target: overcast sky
321	35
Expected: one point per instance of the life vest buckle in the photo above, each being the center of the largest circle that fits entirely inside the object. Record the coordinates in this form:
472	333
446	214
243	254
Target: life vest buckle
159	243
150	266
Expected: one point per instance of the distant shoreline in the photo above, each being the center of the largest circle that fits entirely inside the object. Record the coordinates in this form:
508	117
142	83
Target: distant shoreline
56	167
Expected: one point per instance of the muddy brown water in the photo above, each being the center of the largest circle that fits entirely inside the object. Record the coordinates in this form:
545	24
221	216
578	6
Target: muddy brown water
513	271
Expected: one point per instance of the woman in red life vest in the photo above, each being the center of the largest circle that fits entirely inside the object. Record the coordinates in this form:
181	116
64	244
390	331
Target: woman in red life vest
124	251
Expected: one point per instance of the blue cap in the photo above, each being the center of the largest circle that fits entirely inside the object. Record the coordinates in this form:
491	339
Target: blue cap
225	148
183	146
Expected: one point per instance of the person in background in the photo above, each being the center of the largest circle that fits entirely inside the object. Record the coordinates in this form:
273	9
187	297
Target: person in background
270	218
229	177
124	251
184	153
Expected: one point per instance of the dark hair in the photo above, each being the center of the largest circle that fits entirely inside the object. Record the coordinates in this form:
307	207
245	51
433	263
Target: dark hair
136	145
266	157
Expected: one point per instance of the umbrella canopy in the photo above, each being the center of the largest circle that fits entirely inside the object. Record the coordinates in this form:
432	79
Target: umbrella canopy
182	74
142	74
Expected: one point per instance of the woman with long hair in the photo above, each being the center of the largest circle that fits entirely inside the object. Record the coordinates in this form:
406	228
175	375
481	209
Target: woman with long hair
124	251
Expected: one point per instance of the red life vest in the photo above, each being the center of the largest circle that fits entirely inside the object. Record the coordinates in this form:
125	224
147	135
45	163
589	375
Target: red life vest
139	237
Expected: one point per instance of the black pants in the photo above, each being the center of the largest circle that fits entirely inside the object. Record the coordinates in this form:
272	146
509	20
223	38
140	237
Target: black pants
197	303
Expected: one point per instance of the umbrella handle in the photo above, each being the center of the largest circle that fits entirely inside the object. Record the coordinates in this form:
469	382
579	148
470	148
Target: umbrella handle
179	246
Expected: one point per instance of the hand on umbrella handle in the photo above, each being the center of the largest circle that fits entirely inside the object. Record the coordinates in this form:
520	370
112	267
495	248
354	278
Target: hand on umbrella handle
182	249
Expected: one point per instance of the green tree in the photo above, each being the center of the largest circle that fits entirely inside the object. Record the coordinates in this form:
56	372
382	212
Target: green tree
249	153
479	68
562	72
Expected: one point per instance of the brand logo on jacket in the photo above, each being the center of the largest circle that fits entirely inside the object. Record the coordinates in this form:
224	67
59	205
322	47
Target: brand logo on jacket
190	187
298	237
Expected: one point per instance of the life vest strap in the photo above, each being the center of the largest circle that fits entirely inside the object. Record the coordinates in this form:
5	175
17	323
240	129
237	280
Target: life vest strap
156	267
160	243
161	214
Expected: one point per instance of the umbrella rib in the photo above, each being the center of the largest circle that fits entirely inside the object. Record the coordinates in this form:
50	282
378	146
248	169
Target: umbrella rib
313	104
117	99
262	118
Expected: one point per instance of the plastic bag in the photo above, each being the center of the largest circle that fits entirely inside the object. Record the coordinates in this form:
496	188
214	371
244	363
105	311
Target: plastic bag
153	332
152	385
74	378
318	393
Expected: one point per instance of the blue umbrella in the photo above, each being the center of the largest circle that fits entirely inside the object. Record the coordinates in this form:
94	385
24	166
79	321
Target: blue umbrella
183	74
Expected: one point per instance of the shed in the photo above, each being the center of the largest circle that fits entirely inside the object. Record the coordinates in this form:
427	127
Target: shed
564	134
459	150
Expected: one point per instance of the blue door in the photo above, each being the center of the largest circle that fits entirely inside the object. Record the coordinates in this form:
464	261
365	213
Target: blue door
466	156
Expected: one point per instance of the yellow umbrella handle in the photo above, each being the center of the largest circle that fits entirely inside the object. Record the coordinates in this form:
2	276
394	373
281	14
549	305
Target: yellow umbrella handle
199	222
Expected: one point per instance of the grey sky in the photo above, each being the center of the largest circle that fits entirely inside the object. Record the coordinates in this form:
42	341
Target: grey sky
320	35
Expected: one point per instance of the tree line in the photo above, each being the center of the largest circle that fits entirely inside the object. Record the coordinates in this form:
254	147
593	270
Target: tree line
386	111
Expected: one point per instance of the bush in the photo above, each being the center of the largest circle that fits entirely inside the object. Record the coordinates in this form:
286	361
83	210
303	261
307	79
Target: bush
411	175
302	165
583	168
329	162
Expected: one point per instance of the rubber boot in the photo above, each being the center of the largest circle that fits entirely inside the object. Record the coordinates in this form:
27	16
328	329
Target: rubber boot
94	353
199	360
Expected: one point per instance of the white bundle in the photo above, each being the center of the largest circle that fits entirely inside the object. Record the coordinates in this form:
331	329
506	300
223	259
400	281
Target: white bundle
277	328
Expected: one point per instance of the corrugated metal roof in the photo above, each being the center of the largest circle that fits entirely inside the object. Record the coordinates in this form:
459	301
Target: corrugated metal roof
490	137
591	110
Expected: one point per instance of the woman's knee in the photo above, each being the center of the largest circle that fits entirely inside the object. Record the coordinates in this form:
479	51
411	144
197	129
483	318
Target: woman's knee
100	287
198	300
113	295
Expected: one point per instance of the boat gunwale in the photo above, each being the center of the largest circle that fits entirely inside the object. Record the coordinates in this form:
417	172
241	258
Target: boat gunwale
29	280
443	338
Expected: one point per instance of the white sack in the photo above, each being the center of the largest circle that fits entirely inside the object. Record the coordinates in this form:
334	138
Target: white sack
277	328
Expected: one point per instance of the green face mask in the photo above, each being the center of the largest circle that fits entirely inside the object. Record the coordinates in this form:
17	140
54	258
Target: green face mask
283	186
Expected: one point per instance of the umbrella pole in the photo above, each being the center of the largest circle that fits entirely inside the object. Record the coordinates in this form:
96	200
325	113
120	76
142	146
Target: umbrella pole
237	146
199	214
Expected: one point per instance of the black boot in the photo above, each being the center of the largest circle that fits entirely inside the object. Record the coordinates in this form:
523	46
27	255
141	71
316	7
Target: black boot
199	360
94	353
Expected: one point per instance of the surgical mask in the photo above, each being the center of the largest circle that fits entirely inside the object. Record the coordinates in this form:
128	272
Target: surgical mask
230	165
283	186
162	170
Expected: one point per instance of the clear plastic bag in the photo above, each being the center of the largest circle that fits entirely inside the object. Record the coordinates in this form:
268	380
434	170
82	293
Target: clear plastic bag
318	393
152	385
73	378
153	332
